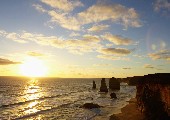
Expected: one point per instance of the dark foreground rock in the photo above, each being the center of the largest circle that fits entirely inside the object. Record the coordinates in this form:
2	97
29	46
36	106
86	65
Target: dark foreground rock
113	95
90	106
103	87
113	117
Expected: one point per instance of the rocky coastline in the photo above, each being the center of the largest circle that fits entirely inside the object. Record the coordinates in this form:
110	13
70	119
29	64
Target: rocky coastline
152	99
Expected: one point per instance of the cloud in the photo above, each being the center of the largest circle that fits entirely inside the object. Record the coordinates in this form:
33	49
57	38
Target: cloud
149	66
117	39
64	5
39	8
88	43
98	28
15	37
162	5
110	57
162	54
115	12
126	68
73	34
2	33
109	45
35	54
64	20
114	51
101	65
7	62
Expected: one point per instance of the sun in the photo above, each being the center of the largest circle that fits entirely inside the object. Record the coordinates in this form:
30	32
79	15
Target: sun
33	67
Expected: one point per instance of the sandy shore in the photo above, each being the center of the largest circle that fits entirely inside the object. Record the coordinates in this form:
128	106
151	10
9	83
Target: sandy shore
129	112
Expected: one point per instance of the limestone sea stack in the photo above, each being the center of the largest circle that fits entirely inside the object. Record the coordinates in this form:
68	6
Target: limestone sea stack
103	87
114	84
94	85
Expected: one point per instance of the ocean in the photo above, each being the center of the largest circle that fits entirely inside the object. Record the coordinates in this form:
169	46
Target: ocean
58	99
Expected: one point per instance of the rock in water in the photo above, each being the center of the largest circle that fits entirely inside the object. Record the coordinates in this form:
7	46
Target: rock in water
114	84
103	87
113	95
90	106
94	85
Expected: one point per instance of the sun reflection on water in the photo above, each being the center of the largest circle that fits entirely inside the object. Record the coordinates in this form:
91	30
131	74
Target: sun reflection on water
32	92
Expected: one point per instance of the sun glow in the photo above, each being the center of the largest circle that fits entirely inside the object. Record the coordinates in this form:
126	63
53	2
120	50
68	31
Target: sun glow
33	67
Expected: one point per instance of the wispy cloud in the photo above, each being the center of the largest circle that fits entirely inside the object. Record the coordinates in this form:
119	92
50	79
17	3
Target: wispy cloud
149	66
162	5
102	65
34	54
7	62
109	45
114	51
117	39
126	68
64	5
60	14
15	37
162	54
88	43
98	28
73	34
39	8
111	57
115	12
64	20
3	33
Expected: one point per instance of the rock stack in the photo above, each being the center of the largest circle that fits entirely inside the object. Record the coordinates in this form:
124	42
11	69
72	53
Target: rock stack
113	95
114	84
103	87
94	85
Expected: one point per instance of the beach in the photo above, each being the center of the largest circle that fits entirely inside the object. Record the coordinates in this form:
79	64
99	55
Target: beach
129	112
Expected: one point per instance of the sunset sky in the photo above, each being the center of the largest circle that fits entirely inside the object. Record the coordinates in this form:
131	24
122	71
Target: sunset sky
87	38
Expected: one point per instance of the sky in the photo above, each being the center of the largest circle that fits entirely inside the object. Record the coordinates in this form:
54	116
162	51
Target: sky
84	38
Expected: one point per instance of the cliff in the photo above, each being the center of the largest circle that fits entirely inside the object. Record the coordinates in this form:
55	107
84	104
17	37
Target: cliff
153	95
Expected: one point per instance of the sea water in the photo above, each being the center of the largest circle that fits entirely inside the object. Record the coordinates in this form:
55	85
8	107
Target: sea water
58	99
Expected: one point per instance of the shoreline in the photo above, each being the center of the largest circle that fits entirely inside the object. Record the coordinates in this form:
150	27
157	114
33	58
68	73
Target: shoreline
129	112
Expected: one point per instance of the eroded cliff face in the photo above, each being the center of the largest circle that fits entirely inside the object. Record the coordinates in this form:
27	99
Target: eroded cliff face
165	94
153	95
163	89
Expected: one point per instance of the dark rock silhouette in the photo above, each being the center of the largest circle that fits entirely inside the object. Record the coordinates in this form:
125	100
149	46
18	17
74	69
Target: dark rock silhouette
94	85
153	96
113	117
113	95
103	87
90	106
160	78
153	107
114	84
